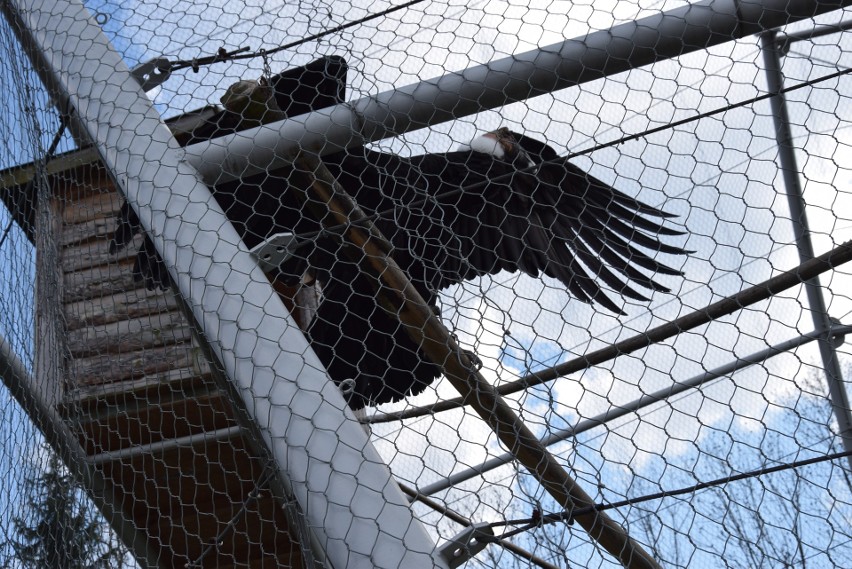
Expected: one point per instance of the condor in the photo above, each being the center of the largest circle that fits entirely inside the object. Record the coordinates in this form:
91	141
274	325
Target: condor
505	202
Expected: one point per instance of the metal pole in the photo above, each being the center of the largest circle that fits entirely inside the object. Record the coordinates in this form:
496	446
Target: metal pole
633	407
813	33
351	502
167	445
693	27
801	230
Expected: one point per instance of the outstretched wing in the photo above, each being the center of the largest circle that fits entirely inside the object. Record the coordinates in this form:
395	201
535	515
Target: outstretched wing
598	236
457	216
450	217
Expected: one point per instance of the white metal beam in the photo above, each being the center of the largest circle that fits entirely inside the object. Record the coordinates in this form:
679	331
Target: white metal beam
352	504
575	61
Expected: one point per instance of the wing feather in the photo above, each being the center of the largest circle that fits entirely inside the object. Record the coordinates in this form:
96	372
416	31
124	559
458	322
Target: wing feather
449	217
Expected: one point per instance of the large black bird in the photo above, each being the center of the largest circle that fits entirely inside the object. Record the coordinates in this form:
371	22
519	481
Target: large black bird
505	202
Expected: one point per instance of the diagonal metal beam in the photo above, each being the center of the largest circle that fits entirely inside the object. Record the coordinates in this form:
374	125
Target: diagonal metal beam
634	406
728	305
352	504
28	392
694	27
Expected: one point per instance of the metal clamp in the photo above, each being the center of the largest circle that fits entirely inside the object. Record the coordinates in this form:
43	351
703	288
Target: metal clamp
838	339
274	251
466	544
152	73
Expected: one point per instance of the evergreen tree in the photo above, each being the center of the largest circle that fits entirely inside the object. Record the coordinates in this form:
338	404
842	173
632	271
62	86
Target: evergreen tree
59	528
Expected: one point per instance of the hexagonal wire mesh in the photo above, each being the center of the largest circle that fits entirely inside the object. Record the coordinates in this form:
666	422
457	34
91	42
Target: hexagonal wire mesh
625	264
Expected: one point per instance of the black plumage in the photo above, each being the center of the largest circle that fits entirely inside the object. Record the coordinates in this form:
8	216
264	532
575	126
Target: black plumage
316	85
508	202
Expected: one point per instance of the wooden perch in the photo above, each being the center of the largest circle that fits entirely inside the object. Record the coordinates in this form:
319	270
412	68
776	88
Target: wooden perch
396	294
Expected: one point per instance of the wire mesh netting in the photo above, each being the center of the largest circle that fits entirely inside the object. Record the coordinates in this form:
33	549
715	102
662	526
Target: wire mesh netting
364	284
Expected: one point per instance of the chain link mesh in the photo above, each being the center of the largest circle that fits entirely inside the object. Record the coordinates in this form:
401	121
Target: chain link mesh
619	268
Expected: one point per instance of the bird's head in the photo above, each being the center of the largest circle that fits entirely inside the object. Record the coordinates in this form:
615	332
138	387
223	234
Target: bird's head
501	143
254	101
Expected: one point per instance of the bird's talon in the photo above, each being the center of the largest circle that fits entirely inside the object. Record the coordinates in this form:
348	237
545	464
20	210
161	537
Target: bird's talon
475	361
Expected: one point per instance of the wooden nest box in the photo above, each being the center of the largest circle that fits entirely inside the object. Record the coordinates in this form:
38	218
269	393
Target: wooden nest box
126	372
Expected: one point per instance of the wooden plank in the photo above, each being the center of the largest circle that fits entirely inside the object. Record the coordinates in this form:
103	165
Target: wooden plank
184	480
187	516
94	253
168	419
108	368
100	228
70	163
129	335
102	202
124	402
225	467
82	184
131	304
90	399
261	537
20	175
50	348
96	282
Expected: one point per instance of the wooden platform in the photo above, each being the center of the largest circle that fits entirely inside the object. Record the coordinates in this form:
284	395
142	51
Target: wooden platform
143	401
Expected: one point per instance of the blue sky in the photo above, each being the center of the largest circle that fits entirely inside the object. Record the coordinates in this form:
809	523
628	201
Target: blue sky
719	175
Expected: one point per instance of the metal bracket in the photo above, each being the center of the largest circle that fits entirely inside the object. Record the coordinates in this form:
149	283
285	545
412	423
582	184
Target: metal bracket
837	339
466	544
152	73
275	250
